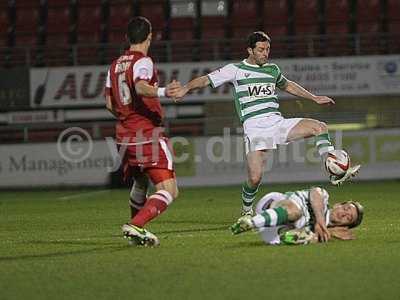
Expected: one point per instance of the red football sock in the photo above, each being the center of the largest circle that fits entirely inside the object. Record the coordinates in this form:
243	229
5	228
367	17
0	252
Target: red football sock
155	205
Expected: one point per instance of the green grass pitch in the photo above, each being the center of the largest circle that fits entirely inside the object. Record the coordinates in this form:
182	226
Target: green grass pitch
68	245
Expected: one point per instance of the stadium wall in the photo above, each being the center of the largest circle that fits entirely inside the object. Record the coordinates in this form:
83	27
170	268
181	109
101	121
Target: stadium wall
336	76
201	161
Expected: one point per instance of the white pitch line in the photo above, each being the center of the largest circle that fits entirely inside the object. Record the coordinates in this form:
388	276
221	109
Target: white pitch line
87	194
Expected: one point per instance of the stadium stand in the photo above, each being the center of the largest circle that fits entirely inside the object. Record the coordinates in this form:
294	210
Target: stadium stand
304	25
69	32
156	12
27	22
90	32
4	23
336	17
59	27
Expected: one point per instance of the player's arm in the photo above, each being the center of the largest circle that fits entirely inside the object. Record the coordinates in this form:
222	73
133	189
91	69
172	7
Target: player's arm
197	83
295	89
142	73
318	206
143	88
215	79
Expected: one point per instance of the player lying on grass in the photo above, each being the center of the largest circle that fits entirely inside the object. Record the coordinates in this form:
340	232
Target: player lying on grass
301	217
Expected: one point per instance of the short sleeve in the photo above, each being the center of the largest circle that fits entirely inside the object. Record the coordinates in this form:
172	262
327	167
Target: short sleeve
143	69
107	89
108	80
222	75
281	80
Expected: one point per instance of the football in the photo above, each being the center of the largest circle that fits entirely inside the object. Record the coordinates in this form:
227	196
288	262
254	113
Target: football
337	162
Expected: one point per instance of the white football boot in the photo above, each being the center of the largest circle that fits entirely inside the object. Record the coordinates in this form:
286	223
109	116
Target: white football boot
249	212
243	224
139	236
351	172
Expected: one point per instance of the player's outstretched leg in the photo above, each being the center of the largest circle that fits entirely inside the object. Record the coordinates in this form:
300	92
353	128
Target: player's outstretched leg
309	127
324	146
268	218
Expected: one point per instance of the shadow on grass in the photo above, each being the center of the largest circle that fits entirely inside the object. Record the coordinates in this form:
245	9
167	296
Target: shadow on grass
64	253
193	230
247	245
70	242
202	222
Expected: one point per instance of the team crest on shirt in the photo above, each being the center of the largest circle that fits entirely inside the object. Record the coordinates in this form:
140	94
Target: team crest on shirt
246	75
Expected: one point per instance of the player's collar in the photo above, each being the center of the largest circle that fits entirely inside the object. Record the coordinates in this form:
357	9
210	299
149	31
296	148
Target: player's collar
129	51
251	65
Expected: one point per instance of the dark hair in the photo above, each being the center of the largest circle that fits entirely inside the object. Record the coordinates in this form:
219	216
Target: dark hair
138	30
257	36
360	213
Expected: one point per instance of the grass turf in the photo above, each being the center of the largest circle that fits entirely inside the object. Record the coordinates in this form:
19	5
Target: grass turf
68	245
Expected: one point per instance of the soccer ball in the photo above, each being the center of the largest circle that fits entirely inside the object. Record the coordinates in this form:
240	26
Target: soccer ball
337	162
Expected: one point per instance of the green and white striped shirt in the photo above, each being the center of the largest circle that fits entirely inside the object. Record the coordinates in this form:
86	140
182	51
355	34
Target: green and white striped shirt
254	87
303	200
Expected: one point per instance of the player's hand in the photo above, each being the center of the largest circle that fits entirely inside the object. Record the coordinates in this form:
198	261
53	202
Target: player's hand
323	100
172	88
322	232
180	93
341	233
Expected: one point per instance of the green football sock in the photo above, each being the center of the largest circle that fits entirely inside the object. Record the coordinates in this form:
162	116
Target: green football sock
323	143
248	196
271	217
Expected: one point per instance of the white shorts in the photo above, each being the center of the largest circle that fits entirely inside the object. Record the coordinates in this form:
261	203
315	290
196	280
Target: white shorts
267	132
269	235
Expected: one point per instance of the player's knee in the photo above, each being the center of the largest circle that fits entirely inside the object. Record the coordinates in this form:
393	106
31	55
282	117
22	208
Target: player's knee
175	193
323	127
318	128
293	212
172	191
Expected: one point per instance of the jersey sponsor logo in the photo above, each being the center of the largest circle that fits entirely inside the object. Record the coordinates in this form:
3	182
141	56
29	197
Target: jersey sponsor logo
261	90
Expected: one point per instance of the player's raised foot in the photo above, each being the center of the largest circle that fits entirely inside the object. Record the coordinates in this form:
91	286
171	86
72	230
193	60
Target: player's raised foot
243	224
351	172
298	237
248	212
139	236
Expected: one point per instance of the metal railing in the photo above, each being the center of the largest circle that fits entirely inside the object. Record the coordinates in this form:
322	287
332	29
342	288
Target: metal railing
203	50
